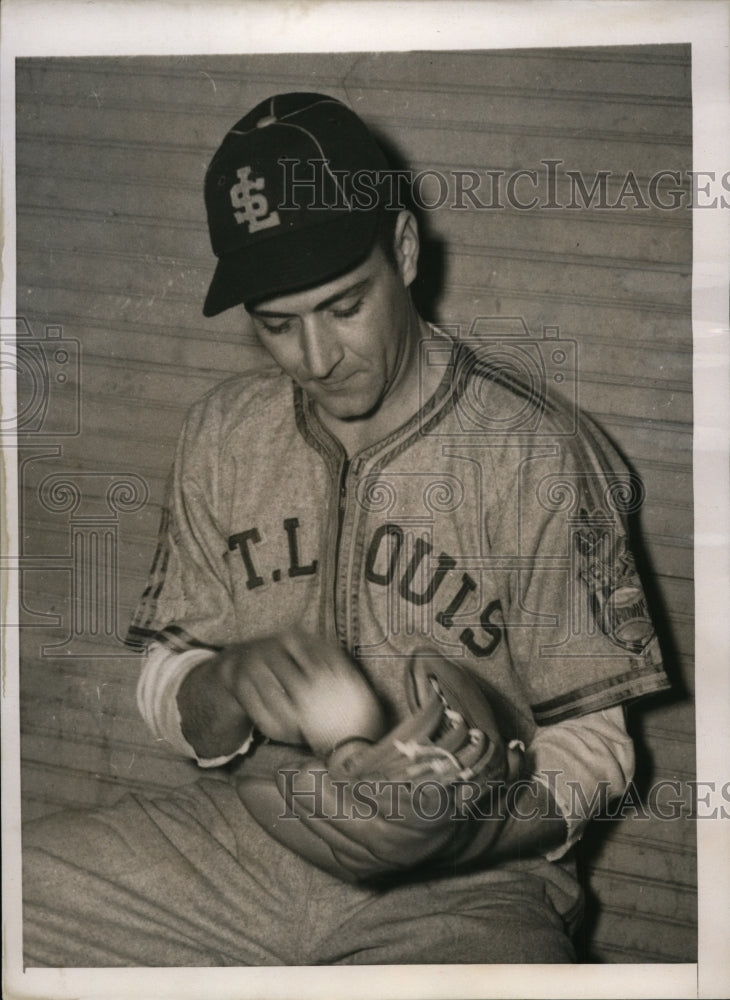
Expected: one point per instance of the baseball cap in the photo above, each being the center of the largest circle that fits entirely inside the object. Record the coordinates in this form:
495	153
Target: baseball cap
287	205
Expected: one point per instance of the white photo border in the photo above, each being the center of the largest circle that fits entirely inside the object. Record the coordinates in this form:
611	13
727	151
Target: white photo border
156	27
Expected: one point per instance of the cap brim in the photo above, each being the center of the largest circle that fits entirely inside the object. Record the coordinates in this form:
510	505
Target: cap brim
293	261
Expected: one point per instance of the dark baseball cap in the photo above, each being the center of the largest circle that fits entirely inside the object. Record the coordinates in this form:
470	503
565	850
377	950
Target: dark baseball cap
293	196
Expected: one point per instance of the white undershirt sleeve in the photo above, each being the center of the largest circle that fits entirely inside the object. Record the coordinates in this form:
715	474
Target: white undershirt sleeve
162	674
584	762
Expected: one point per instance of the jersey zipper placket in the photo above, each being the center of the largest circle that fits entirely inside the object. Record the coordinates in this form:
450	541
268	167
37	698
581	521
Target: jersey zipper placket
341	505
340	579
340	613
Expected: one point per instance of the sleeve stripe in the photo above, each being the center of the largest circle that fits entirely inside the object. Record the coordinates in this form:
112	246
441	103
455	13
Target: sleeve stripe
173	637
602	694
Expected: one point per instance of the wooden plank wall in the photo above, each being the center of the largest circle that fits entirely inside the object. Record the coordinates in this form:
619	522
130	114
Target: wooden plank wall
113	250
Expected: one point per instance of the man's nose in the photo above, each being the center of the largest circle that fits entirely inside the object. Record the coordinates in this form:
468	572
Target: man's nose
320	348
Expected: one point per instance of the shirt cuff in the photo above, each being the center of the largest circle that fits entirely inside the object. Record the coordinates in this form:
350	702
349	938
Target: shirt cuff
162	675
583	763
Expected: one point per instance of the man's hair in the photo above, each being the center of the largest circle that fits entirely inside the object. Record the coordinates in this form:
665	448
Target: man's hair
385	236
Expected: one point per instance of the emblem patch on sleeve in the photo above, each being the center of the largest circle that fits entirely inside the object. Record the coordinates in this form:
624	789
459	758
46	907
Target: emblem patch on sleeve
617	601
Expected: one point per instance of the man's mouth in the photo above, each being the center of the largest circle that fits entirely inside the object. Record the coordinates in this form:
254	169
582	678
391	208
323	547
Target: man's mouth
333	384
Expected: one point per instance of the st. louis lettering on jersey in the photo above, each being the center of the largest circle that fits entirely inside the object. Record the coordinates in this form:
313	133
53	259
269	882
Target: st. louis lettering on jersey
244	542
438	582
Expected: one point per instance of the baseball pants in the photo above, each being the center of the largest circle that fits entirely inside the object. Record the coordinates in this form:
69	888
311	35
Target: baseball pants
190	879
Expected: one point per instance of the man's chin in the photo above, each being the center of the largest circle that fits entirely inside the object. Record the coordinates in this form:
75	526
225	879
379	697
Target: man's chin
347	407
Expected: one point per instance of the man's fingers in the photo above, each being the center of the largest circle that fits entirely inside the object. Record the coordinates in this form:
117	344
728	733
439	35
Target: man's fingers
268	681
270	706
297	687
387	758
279	664
315	655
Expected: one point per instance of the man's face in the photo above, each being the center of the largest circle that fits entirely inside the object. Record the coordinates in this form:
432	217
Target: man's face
350	342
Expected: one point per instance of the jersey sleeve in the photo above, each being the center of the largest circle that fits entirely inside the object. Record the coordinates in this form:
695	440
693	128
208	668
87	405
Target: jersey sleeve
160	680
187	603
577	619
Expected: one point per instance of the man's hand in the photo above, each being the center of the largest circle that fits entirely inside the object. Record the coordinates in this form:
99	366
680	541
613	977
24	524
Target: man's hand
390	807
293	687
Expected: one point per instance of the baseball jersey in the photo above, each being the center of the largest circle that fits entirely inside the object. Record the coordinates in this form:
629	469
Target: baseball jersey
489	528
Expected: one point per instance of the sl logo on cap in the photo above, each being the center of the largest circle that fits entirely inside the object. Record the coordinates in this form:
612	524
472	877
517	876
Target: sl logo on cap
252	208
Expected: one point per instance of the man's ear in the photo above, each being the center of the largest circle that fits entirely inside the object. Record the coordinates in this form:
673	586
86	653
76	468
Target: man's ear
406	246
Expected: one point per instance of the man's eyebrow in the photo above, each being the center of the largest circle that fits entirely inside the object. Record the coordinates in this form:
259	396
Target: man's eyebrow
359	286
